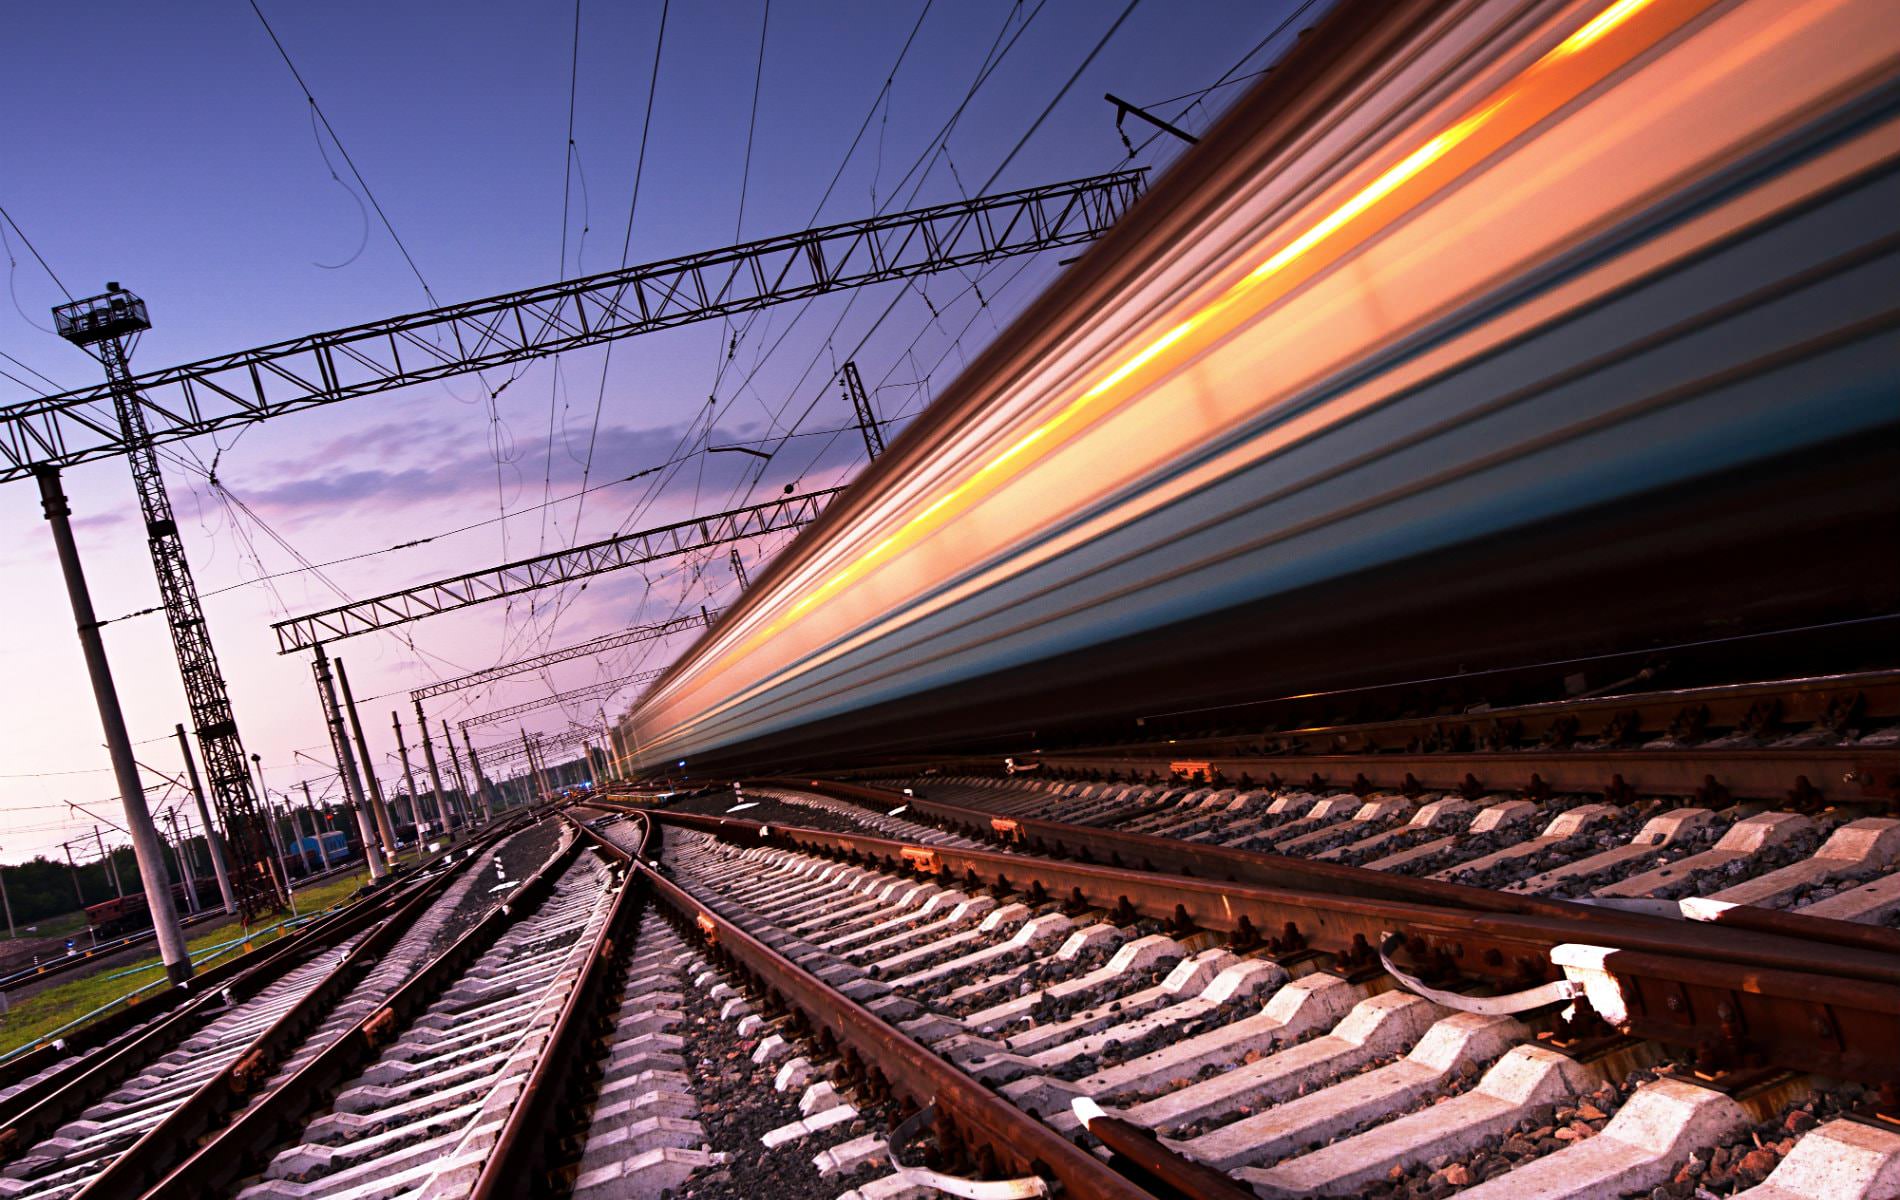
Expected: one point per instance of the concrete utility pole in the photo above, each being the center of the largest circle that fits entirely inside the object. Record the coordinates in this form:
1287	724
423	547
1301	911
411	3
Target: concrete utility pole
112	868
466	815
377	806
346	767
214	844
7	903
409	778
537	783
296	833
611	751
310	807
73	867
270	814
184	866
138	818
435	774
482	788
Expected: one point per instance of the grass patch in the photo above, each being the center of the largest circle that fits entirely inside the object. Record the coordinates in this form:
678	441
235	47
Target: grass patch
57	1005
61	925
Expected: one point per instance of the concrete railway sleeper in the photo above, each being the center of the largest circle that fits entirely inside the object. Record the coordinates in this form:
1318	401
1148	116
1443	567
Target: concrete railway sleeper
1209	833
408	1026
969	1139
1827	863
1285	1073
118	1113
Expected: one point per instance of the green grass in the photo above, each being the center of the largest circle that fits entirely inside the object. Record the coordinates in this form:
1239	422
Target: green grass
55	926
64	1002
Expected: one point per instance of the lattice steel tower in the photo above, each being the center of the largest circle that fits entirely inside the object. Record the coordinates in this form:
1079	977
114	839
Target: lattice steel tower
107	326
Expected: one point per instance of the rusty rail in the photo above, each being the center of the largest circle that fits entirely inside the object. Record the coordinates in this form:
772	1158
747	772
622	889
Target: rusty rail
49	1102
164	1145
523	1152
1002	1134
1448	751
1782	1006
239	1148
1115	847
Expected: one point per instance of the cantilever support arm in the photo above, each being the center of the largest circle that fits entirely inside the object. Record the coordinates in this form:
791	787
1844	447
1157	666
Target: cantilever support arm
549	570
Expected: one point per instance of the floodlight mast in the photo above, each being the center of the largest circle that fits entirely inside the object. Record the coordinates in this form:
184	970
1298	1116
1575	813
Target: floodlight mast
41	437
107	326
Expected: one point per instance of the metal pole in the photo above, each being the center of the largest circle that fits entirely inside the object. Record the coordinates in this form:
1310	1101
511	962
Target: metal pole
270	814
386	830
482	788
346	767
138	818
409	777
112	868
214	844
465	803
323	851
612	749
435	773
534	775
184	865
6	902
74	868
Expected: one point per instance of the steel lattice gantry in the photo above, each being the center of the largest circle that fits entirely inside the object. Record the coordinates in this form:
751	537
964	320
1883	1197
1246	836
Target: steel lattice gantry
593	691
548	570
323	368
600	645
508	752
105	326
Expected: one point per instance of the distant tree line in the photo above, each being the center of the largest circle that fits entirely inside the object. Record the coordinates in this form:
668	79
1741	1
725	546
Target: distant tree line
43	887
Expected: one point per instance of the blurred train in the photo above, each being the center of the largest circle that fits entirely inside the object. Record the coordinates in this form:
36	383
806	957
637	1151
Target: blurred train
1478	333
130	912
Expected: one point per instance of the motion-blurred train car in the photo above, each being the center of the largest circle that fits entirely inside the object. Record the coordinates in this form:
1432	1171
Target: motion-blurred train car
130	913
1479	333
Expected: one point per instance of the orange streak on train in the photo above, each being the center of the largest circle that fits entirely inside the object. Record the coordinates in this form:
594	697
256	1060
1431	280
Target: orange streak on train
1579	62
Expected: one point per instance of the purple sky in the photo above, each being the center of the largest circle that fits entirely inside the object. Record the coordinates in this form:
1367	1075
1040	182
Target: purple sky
168	147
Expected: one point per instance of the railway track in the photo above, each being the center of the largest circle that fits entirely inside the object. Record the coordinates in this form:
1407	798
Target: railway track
898	996
1289	1070
114	1111
1657	852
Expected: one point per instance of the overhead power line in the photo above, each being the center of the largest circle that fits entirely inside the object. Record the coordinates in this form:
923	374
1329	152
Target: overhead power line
254	385
549	570
587	649
593	691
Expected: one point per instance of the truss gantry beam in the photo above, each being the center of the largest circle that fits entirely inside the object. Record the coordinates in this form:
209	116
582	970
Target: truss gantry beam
587	649
593	691
577	735
549	570
323	368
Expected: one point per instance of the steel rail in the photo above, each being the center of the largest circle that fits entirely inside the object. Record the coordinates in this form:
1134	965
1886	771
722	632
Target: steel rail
1804	700
163	1146
1810	776
1091	843
102	1053
92	954
1019	1143
524	1149
240	1147
1834	1014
